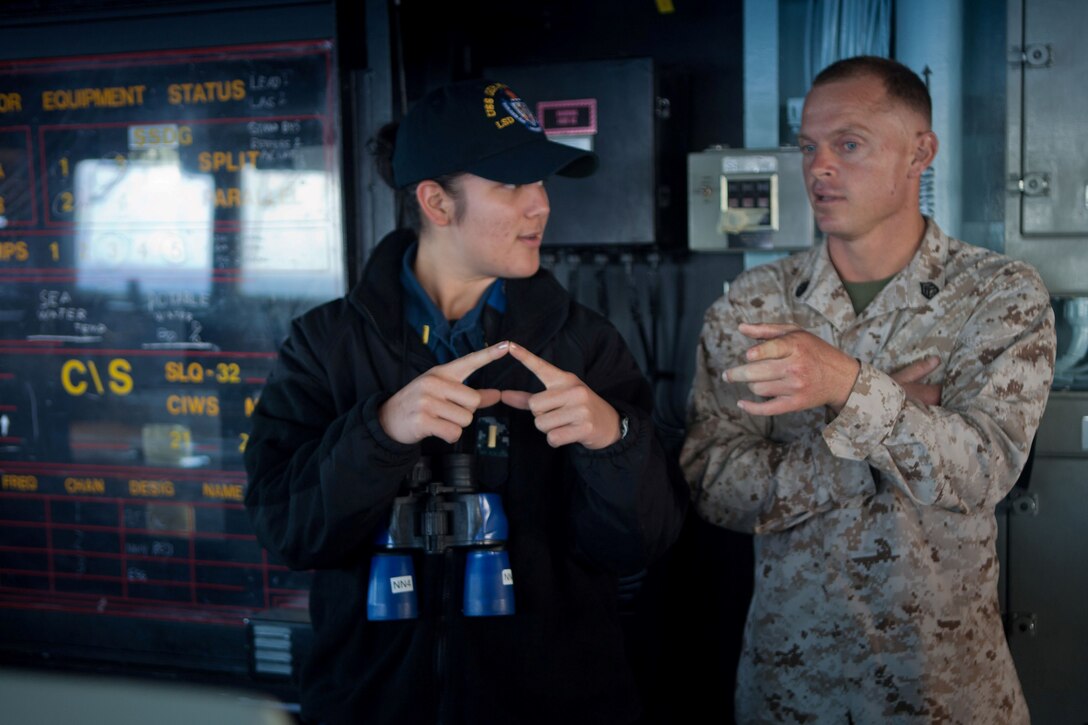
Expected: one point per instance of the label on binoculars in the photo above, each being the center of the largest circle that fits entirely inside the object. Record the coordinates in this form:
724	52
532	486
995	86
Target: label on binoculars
402	584
507	578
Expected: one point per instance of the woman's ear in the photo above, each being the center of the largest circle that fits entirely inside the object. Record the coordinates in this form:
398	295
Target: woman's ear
434	203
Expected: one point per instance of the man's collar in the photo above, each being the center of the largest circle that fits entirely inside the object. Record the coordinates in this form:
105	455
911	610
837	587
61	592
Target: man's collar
914	286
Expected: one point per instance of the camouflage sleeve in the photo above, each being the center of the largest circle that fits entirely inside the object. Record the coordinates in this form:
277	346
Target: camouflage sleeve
965	454
744	475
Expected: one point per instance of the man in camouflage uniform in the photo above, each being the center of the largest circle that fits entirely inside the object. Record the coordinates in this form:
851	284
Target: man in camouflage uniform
883	434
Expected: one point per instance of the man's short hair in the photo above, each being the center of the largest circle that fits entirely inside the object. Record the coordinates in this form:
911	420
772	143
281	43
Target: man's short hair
901	83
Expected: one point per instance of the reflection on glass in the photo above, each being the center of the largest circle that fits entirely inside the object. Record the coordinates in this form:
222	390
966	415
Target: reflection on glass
286	219
143	220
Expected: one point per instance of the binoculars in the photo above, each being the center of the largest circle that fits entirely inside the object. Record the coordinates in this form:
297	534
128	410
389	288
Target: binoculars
437	515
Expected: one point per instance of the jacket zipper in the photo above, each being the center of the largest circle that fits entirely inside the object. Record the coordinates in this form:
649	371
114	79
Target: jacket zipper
441	648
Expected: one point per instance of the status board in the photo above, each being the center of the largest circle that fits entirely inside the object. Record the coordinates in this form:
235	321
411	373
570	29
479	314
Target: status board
163	217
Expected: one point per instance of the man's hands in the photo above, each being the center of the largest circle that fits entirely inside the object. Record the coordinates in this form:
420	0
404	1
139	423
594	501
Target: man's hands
567	410
921	393
439	404
796	370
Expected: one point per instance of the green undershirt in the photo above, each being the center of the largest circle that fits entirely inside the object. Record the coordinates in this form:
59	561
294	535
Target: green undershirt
862	293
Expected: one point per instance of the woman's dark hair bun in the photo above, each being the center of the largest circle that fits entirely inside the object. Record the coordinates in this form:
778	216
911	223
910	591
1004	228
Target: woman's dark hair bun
380	147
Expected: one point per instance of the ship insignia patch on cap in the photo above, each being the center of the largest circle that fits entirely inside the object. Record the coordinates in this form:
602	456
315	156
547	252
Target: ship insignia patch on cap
519	110
499	98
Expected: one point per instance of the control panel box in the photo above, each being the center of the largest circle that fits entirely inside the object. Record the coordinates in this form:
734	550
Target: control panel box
742	200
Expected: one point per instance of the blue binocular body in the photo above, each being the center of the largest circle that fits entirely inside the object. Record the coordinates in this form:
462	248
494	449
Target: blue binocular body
433	517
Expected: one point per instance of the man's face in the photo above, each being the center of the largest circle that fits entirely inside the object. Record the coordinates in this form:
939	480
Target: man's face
499	228
858	146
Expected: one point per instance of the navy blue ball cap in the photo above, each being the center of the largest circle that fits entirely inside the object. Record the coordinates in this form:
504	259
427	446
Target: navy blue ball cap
483	128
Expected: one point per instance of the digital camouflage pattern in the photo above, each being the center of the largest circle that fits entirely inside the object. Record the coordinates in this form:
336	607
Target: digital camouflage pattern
876	569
